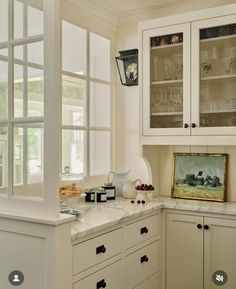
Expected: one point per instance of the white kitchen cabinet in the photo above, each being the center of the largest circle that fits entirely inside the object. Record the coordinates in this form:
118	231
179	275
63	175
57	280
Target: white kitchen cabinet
196	247
150	283
141	264
125	257
111	277
96	250
188	75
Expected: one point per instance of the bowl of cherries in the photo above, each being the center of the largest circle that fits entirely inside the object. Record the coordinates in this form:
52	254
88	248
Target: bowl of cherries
144	192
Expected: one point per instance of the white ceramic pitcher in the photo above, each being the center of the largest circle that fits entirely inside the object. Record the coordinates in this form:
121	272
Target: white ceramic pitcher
118	180
128	190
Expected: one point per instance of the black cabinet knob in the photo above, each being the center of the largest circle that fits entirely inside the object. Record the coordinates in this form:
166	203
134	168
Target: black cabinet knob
144	230
101	284
144	259
199	226
206	227
185	125
100	249
193	125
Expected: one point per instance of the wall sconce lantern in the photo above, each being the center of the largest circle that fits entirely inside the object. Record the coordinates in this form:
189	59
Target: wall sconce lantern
127	64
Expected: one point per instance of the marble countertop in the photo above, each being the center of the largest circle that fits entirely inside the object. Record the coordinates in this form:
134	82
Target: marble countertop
97	216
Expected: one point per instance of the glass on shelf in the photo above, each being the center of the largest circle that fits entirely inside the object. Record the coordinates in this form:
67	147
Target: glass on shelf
168	39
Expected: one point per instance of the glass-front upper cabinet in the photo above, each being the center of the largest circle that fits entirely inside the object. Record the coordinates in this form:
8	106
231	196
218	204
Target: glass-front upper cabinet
214	76
166	80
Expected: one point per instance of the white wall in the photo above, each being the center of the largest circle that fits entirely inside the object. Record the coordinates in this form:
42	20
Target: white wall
127	106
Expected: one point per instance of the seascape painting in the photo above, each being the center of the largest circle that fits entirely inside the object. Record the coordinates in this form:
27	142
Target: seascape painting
200	176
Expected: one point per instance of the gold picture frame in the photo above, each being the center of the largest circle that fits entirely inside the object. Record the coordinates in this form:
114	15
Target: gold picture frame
199	176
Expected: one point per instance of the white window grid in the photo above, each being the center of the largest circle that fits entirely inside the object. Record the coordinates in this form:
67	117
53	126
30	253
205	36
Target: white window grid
10	121
87	128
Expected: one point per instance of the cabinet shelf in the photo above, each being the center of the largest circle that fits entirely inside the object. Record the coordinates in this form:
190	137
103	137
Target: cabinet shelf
218	111
167	50
167	46
219	77
220	41
163	82
166	113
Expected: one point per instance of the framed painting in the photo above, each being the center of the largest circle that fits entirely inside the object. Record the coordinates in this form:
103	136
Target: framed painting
200	176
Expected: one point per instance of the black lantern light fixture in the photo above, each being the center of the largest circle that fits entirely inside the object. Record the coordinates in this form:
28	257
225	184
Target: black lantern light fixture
127	64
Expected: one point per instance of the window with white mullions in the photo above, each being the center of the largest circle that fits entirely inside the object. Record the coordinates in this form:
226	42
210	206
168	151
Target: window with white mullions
21	98
86	101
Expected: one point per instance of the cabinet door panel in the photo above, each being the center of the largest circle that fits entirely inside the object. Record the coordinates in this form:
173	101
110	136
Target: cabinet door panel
214	76
110	277
166	80
150	283
184	252
141	264
220	253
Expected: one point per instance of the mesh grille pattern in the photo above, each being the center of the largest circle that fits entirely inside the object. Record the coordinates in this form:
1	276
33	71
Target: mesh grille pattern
218	31
218	76
166	70
168	121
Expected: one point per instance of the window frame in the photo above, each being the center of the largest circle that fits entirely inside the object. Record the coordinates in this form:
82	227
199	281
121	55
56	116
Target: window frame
87	128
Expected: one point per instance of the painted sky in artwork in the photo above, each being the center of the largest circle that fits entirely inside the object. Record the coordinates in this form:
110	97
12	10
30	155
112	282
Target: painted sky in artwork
209	165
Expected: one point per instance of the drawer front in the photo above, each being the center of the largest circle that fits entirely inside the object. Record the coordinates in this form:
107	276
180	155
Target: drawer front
110	278
140	231
96	250
141	264
150	283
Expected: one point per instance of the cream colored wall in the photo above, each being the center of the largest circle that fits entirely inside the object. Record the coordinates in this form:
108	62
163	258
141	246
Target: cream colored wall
127	117
127	114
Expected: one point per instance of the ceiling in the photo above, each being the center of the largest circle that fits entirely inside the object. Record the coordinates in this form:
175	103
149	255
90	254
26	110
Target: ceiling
126	6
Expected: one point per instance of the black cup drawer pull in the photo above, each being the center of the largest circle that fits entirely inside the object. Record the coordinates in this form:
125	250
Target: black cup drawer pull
101	249
144	259
101	284
144	230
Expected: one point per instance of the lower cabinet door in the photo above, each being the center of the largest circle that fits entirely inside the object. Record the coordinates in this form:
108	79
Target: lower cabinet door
141	264
184	252
110	277
220	253
150	283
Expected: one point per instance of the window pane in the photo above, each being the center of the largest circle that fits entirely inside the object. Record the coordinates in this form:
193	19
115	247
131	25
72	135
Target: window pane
3	20
35	91
99	152
18	53
18	156
3	160
73	150
35	52
99	57
28	160
35	21
73	101
35	156
18	90
18	19
3	84
74	48
99	105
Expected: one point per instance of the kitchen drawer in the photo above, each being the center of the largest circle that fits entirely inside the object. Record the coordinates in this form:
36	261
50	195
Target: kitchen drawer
140	231
96	250
110	277
150	283
141	264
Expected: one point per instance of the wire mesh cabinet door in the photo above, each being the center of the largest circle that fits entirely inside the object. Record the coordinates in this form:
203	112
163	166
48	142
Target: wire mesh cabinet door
166	80
214	76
